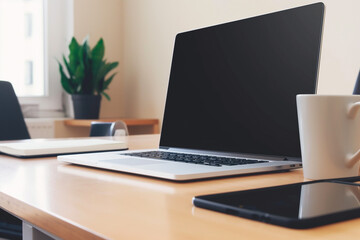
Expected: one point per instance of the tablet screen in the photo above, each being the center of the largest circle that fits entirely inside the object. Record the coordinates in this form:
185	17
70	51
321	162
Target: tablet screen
297	201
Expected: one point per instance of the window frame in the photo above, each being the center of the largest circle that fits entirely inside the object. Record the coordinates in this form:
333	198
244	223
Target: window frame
58	30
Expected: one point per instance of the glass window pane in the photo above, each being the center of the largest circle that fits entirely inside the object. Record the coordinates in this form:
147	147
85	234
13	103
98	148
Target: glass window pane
28	24
22	46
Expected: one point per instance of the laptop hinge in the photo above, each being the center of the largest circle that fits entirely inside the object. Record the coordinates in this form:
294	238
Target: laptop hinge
274	158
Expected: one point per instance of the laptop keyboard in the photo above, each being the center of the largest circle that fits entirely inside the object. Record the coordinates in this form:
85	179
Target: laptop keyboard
194	158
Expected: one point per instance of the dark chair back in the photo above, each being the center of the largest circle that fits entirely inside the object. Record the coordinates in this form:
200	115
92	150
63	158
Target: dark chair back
12	127
117	128
12	124
99	129
357	85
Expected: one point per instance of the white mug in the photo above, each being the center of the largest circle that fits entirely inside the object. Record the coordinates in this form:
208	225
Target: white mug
329	128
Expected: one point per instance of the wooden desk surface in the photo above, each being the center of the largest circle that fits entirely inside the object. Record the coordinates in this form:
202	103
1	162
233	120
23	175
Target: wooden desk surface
74	202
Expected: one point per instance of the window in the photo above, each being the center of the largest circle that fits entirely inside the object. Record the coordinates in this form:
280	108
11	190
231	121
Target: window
33	36
28	25
22	46
28	74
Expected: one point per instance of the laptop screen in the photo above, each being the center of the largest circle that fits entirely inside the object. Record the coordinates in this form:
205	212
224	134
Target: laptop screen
233	86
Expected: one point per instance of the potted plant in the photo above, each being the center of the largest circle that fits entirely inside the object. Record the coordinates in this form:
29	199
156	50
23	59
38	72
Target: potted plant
85	77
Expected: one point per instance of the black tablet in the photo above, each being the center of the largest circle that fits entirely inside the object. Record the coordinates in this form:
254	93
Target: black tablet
300	205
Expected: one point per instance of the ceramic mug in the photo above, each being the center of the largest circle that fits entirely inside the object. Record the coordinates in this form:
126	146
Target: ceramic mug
329	128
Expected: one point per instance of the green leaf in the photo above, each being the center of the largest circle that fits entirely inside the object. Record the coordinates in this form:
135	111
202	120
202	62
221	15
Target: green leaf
107	82
79	75
84	55
70	72
87	50
105	68
97	54
87	82
74	48
106	96
110	66
96	73
65	82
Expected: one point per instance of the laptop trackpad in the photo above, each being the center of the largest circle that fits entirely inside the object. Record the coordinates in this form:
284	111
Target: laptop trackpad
131	161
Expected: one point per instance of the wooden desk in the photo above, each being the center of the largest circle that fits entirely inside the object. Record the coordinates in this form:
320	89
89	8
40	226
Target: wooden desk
74	202
81	127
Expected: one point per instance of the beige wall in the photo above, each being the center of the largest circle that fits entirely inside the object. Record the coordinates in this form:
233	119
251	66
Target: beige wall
142	33
102	18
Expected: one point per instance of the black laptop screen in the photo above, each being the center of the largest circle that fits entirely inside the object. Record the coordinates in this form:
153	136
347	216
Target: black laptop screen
233	86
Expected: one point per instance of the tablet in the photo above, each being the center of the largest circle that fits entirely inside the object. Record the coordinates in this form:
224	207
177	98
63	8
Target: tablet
300	205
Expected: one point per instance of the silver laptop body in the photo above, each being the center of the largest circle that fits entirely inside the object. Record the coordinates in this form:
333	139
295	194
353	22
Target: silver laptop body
231	95
172	170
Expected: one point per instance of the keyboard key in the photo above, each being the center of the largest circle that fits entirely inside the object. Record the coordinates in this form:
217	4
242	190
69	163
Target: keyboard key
194	159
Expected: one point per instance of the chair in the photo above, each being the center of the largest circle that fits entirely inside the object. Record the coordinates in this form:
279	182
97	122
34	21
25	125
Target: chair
117	128
357	85
12	123
12	127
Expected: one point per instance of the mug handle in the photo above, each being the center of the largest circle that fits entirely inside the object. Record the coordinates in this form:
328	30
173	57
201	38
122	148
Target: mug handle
351	159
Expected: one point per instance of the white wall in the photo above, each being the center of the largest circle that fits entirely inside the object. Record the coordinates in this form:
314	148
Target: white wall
102	18
149	29
140	35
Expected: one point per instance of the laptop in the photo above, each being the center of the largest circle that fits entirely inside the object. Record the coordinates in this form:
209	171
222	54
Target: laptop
231	100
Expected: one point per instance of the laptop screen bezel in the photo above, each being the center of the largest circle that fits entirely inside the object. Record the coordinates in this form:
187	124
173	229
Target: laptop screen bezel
164	145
